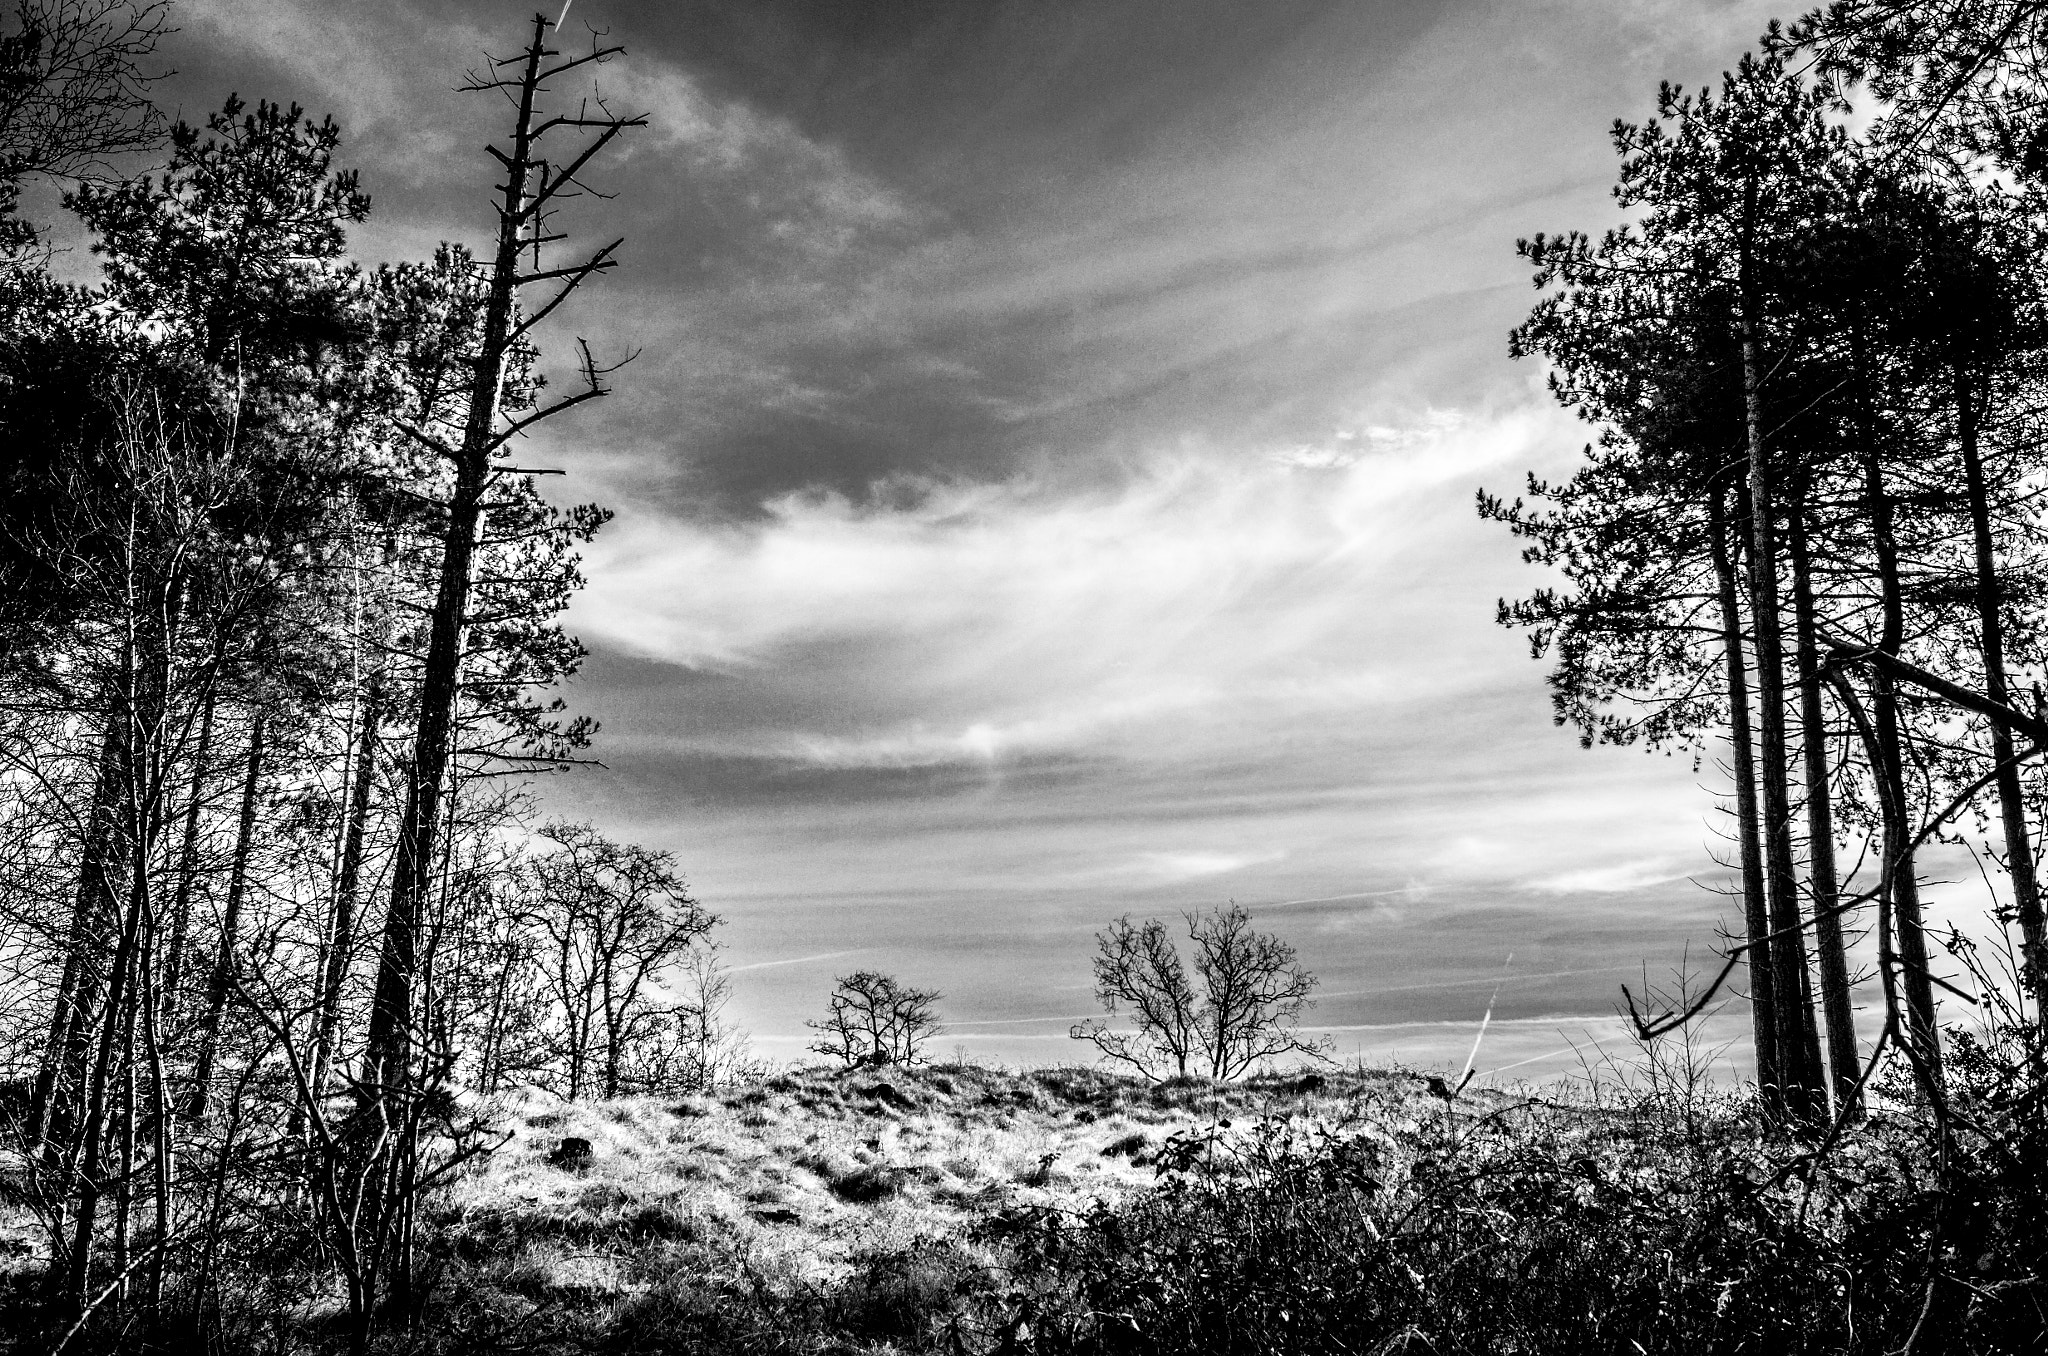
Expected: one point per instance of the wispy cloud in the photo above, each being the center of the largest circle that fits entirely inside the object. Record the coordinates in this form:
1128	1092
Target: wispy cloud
1174	867
1618	876
1201	596
383	70
795	193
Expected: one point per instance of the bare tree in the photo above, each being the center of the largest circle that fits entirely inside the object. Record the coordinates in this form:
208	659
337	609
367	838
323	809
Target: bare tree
615	916
73	91
1136	966
1253	993
875	1020
709	1049
73	95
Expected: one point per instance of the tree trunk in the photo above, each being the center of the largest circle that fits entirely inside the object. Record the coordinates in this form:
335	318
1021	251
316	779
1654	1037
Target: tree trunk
341	938
1900	879
188	866
124	1180
389	1052
1821	872
78	986
1763	1000
2019	842
140	710
163	1163
220	982
93	1131
1798	1042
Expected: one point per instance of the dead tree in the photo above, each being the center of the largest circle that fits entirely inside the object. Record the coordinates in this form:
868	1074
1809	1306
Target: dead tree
535	185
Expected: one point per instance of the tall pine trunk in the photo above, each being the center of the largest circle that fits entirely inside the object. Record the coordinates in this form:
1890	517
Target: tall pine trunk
1822	875
1763	1003
140	705
92	1134
1798	1041
188	868
1906	946
388	1058
92	906
341	933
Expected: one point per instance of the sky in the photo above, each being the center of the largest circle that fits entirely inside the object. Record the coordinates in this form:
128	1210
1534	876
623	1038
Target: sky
1045	484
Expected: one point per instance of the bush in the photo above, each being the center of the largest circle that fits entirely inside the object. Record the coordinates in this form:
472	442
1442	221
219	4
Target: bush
1643	1228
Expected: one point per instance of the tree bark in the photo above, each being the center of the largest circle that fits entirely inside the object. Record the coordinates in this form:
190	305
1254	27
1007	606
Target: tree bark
92	902
1822	875
1901	884
188	866
389	1044
1798	1042
140	709
163	1160
220	982
341	939
92	1133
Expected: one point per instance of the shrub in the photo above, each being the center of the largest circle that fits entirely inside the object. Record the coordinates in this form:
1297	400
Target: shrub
1633	1229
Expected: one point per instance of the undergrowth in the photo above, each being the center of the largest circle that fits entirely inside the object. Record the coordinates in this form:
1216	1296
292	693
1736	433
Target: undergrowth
1644	1225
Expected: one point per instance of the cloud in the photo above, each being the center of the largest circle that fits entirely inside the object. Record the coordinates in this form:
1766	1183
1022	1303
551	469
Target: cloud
801	194
383	70
1611	878
717	183
1195	597
1175	867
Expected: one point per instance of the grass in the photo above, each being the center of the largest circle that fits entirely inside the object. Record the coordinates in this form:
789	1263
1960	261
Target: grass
811	1175
959	1209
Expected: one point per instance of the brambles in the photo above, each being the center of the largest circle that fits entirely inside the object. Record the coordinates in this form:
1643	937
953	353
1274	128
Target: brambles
1640	1225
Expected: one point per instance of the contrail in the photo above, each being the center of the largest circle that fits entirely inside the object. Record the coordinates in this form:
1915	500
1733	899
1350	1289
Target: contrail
565	12
1023	1021
1467	983
1332	899
795	960
1568	1050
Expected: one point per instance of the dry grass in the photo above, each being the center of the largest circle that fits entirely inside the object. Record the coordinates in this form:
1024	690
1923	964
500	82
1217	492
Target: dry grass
809	1172
848	1205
